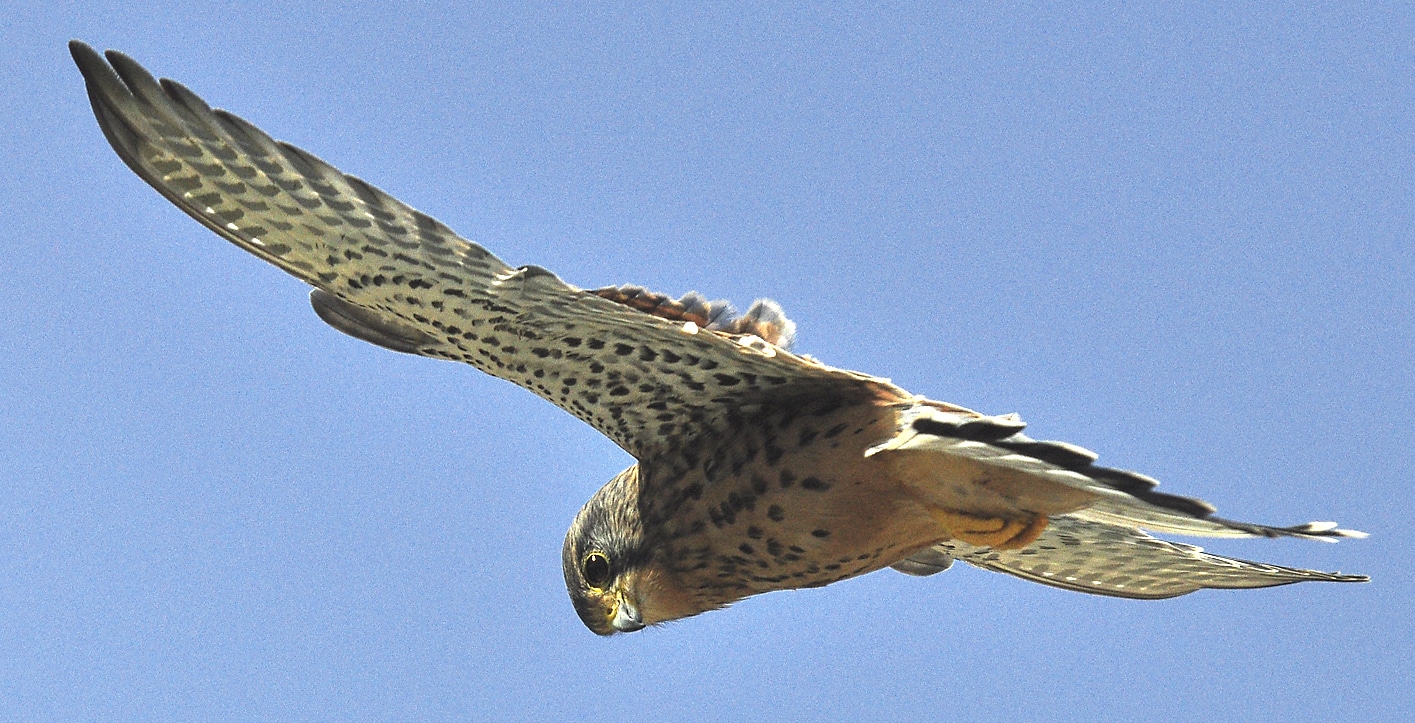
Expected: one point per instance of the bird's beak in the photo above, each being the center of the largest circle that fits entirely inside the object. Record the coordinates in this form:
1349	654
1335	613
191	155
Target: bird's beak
626	617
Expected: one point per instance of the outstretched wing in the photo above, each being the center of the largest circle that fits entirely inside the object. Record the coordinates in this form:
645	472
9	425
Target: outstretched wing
1093	543
1057	477
646	371
1103	559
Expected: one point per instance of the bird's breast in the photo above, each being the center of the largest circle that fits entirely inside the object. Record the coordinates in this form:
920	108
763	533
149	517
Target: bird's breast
787	501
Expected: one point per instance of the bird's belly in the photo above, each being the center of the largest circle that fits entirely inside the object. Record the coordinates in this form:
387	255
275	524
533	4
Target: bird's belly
799	507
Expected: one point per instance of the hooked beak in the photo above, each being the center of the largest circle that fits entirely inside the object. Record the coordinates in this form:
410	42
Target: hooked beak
626	617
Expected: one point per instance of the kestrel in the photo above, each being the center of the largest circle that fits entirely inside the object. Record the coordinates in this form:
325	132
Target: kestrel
757	469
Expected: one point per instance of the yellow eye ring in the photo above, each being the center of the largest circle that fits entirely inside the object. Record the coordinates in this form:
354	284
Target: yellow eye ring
596	569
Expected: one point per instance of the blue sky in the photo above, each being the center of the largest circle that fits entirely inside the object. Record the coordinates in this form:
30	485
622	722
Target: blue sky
1180	237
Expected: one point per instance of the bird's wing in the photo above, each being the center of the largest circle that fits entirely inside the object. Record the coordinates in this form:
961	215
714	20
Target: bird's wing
1093	540
1057	477
646	370
1105	559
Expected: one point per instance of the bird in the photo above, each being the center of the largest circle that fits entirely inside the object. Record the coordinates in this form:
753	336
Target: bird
757	469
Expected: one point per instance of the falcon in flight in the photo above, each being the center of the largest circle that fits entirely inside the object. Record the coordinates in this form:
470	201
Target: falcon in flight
757	469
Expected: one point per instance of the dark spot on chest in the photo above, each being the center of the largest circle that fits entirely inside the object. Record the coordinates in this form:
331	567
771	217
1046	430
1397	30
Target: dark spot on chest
786	479
722	515
740	502
773	454
759	484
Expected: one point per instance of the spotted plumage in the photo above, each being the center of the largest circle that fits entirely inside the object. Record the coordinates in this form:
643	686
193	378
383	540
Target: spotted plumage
758	469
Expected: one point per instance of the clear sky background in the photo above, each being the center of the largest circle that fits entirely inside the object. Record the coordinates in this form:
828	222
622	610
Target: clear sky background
1180	237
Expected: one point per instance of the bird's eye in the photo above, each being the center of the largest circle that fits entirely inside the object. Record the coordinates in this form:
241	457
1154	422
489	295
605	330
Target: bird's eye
596	569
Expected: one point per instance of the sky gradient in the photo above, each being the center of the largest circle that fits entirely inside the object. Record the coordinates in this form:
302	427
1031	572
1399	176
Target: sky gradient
1180	237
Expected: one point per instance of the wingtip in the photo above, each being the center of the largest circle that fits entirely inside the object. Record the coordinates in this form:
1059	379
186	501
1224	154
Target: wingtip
88	58
85	56
1325	530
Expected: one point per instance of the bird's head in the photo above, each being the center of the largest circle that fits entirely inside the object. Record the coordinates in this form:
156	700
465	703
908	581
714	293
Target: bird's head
613	580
